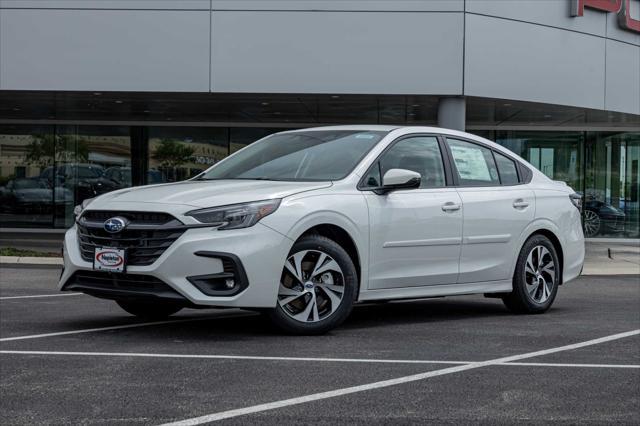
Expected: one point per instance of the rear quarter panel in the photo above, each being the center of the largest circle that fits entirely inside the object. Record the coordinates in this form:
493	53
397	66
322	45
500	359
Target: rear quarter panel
555	212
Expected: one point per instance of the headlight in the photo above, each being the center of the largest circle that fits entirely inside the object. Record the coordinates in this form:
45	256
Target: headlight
235	216
77	210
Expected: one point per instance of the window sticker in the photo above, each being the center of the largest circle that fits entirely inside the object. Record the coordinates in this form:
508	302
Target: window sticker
470	163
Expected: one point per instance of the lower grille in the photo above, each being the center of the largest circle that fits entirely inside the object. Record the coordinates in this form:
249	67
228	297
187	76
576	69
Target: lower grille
146	237
116	286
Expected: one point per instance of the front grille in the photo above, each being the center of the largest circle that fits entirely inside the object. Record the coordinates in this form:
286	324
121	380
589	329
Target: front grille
147	218
114	285
145	238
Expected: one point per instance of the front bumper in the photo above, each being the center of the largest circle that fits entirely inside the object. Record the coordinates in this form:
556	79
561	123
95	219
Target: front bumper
259	250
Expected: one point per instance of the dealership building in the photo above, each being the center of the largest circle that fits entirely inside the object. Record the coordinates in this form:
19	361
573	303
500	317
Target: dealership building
97	95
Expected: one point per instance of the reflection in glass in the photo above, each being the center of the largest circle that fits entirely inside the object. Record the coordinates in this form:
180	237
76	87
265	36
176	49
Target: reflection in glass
243	136
178	153
26	199
612	192
83	154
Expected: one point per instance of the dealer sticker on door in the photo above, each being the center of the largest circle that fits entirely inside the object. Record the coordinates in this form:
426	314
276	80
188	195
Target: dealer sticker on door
109	259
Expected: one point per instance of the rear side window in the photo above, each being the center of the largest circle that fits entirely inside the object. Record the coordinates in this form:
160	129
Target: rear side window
507	169
474	163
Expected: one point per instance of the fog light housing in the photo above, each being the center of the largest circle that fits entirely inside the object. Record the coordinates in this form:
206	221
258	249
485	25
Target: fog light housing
231	281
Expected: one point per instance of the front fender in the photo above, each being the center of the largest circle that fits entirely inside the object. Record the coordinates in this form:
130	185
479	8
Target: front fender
348	211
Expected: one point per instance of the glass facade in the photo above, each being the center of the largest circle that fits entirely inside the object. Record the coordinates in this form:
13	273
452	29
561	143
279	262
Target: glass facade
46	170
602	166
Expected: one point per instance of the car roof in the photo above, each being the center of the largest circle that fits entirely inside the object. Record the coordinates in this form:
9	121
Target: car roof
363	127
388	128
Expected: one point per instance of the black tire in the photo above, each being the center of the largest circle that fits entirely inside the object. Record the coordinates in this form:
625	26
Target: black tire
149	310
286	323
520	301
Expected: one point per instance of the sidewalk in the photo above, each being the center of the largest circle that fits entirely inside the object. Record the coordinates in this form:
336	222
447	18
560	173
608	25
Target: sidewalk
611	257
606	257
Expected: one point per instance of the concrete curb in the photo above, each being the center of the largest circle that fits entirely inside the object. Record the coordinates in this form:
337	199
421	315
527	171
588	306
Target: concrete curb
24	262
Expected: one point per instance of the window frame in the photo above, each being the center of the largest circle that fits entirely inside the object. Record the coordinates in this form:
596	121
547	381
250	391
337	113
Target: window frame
524	175
444	156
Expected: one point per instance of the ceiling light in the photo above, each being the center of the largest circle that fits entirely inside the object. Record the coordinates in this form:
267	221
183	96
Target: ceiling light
415	105
335	96
265	103
97	93
118	102
146	111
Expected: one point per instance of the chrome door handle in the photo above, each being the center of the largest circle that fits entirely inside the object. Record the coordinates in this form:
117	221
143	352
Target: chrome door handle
520	204
450	207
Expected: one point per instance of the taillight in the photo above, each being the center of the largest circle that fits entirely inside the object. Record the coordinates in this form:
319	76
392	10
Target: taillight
576	200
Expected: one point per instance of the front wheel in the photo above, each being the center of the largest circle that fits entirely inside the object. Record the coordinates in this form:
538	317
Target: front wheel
536	278
317	287
147	310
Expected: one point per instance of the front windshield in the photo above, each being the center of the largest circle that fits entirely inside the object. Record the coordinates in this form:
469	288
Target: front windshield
318	155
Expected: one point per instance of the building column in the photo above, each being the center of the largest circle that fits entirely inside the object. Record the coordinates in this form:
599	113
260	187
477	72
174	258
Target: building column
452	113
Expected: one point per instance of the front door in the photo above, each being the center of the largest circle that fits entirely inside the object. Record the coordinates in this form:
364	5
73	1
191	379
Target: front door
415	234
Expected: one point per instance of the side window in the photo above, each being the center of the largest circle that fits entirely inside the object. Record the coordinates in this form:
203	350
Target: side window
507	169
420	154
474	163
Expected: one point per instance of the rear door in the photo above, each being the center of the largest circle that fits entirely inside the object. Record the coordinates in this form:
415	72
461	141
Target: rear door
497	208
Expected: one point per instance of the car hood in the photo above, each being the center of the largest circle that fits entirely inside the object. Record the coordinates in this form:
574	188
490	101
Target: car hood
207	193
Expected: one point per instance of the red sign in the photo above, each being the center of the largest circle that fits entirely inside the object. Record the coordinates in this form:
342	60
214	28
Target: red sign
621	7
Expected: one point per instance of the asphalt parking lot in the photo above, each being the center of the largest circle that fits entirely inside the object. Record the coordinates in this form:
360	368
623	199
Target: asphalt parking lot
74	359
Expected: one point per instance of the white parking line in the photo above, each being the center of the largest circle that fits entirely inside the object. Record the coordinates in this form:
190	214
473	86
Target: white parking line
238	357
40	295
306	359
392	382
120	327
555	364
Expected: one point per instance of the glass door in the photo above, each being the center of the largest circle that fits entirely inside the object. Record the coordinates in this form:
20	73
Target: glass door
611	185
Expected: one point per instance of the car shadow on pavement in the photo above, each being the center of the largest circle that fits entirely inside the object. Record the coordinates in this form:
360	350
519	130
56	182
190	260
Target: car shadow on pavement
203	325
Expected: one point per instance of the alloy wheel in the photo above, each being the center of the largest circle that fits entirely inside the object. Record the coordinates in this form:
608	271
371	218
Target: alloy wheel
540	274
311	287
591	223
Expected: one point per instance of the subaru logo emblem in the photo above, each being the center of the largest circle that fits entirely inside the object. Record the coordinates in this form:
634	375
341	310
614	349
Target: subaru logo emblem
115	224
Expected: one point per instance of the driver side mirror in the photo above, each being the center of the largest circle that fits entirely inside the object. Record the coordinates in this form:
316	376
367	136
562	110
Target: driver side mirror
395	179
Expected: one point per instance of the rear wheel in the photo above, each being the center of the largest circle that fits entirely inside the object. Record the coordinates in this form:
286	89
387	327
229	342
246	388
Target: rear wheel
536	278
149	310
317	287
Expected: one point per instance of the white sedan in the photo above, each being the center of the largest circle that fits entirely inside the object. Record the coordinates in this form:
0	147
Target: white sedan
304	224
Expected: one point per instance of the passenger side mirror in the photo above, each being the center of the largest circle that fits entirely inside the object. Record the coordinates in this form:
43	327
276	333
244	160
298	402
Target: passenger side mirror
399	179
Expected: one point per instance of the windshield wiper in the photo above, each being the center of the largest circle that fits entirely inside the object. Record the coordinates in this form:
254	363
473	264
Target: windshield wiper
204	178
255	178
